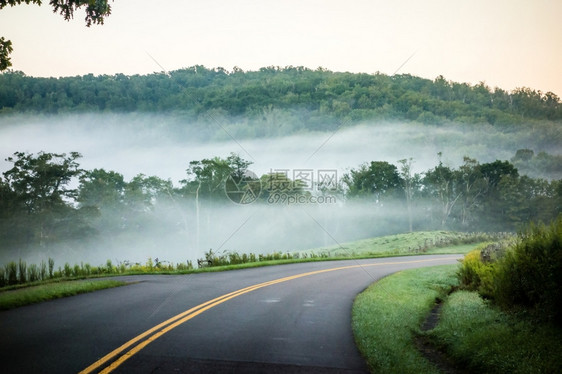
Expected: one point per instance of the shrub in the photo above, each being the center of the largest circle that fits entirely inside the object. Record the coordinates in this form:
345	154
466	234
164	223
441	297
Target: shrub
43	270
33	273
51	267
479	268
526	275
184	266
109	267
530	275
67	270
12	273
22	271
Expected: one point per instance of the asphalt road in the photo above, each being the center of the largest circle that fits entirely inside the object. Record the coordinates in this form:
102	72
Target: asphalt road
300	324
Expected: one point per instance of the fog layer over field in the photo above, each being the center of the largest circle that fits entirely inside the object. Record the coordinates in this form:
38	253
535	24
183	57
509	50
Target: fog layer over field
163	146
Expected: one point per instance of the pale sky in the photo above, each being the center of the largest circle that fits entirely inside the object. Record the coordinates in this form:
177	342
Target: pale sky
505	43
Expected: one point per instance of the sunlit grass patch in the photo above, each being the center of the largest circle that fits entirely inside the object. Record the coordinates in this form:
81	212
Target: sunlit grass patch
489	340
420	242
35	294
388	314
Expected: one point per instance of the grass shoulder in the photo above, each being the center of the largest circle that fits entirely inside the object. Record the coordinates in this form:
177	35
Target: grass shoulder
53	290
388	314
474	334
485	339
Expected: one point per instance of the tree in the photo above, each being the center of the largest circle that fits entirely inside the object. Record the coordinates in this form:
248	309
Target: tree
277	187
409	184
207	180
5	50
504	203
493	172
9	209
101	194
143	192
96	11
441	183
41	181
472	188
100	189
524	154
40	186
379	178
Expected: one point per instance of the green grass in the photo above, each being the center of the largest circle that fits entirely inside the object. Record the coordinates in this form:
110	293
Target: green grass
453	249
486	339
387	316
428	242
36	294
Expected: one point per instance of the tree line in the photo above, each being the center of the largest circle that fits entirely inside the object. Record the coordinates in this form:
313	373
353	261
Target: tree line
46	198
490	196
318	99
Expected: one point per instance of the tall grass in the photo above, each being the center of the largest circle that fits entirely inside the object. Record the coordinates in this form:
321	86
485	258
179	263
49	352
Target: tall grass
20	273
402	244
484	339
527	275
11	270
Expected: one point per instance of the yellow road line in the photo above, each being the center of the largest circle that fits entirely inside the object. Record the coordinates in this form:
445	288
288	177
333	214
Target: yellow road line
171	323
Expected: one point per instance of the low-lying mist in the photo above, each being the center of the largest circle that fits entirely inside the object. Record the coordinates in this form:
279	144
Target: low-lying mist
176	233
163	146
158	145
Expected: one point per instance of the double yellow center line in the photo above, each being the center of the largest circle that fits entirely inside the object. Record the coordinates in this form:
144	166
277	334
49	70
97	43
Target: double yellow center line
157	331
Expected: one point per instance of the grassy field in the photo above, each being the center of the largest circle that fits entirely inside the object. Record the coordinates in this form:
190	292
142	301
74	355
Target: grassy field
486	339
388	314
429	242
55	290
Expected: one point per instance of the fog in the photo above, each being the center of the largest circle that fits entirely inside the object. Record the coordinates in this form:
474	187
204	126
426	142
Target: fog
163	146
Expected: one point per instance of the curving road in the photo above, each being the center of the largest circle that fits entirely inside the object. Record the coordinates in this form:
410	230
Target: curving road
287	318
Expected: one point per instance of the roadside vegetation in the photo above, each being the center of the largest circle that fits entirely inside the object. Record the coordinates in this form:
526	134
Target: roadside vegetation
524	277
20	274
53	290
504	315
420	242
33	282
484	338
388	314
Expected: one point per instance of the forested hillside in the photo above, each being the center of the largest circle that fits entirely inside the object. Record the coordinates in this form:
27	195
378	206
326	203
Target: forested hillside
318	99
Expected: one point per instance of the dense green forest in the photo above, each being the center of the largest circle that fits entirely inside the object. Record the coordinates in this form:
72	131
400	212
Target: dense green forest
40	207
314	99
